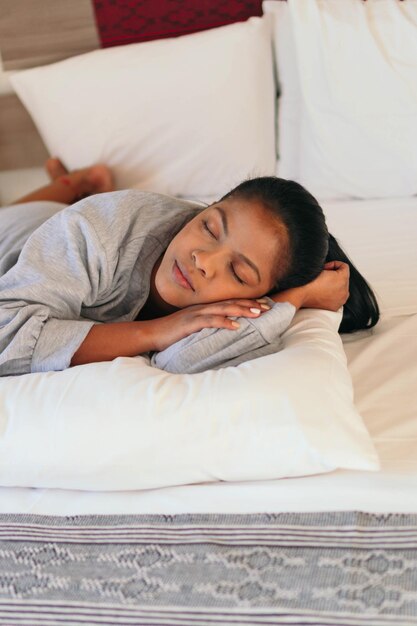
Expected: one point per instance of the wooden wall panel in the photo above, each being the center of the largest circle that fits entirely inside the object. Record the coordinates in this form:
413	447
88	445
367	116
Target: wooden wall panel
20	143
37	32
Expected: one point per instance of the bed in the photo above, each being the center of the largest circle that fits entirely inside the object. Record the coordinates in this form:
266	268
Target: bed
330	546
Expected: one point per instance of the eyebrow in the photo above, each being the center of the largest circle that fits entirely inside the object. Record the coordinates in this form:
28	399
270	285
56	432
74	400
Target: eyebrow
226	230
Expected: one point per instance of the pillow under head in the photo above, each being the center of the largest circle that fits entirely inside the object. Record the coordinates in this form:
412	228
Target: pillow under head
124	424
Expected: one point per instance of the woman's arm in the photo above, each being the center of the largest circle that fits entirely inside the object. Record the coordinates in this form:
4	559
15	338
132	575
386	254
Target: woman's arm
62	266
105	342
295	296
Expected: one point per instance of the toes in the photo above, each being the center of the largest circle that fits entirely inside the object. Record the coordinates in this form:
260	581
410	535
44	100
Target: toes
101	178
55	168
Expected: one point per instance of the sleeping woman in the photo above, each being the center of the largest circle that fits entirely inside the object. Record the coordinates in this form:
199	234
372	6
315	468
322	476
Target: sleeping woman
89	274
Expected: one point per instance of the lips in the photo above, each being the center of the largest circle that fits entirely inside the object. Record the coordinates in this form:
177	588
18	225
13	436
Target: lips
182	276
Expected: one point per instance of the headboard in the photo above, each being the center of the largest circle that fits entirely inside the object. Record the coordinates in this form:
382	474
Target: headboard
46	31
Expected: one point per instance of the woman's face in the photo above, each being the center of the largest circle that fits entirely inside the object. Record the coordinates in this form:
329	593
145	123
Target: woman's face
229	250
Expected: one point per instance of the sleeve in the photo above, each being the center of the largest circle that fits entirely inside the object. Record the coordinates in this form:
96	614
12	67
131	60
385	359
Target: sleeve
62	266
213	348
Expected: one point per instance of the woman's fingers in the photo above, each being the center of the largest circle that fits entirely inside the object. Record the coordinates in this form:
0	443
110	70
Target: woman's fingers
245	302
337	265
248	308
182	323
216	321
330	290
219	314
330	265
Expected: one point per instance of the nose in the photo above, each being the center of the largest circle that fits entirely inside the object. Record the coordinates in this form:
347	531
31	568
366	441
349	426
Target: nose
205	262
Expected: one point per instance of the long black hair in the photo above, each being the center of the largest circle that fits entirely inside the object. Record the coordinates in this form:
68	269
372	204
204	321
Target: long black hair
311	245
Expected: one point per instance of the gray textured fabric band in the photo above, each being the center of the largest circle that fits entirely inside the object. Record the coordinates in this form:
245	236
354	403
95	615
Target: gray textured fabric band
335	568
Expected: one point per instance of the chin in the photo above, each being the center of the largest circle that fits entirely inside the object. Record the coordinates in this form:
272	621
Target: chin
168	299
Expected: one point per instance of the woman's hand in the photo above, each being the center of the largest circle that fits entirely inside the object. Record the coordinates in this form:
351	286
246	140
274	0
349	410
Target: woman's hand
171	328
330	290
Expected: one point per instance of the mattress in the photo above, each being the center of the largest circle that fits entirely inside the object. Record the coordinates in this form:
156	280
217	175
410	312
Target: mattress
379	236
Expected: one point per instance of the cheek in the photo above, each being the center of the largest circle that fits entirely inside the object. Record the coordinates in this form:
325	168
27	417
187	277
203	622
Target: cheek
180	244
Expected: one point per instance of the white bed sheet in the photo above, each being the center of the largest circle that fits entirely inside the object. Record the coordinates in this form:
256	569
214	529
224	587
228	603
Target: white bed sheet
379	236
17	183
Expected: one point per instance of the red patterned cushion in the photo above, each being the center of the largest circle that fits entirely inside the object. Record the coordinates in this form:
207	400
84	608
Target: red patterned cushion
128	21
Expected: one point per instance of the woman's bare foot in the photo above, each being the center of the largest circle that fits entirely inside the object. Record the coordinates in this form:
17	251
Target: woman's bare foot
95	179
69	187
99	177
87	181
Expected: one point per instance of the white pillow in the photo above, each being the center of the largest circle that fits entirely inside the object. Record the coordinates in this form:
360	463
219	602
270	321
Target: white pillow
187	115
125	425
354	93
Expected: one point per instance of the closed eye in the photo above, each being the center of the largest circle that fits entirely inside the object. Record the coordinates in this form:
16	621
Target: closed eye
236	276
208	229
242	282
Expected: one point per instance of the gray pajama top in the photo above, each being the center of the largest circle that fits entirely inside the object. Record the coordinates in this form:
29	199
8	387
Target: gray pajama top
65	268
